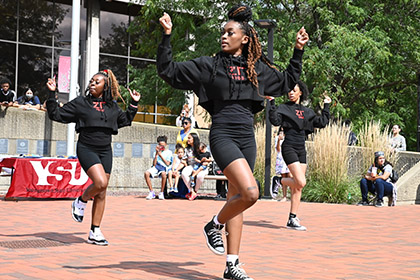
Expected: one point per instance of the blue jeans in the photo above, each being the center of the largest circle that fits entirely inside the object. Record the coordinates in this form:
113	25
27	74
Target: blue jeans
378	187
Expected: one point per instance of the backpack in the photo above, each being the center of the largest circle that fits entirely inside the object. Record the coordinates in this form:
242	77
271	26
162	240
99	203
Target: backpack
394	176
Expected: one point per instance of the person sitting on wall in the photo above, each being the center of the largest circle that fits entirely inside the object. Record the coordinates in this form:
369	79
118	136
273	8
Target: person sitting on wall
378	182
182	136
397	140
185	113
28	101
178	163
7	96
202	160
162	158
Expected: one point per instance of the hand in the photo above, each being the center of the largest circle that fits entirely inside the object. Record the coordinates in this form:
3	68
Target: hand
327	99
166	23
134	94
301	38
51	84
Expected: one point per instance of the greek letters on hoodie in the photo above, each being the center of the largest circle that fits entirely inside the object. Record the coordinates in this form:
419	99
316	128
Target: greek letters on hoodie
196	75
88	113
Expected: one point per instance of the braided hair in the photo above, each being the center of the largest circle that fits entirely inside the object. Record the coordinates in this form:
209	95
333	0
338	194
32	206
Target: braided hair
111	88
242	14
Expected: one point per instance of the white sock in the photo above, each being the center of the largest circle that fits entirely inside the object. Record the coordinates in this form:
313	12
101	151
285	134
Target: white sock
216	221
232	258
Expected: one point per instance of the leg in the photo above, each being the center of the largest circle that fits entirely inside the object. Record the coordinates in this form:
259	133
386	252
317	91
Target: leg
364	189
162	188
170	181
296	184
147	176
186	173
284	186
199	180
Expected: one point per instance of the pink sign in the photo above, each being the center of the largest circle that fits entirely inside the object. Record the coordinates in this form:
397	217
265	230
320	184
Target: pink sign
64	74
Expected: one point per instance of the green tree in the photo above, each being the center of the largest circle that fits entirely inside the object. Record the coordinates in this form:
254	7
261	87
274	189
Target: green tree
365	54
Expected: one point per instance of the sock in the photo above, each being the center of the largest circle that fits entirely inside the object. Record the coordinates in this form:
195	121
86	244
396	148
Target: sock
92	228
216	221
291	215
81	200
232	258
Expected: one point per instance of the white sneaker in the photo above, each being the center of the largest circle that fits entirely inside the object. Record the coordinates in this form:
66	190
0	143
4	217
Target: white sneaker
161	196
78	210
175	189
294	223
97	238
151	195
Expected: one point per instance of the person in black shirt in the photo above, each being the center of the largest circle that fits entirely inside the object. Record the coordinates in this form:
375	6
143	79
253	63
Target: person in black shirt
7	96
230	86
297	122
97	117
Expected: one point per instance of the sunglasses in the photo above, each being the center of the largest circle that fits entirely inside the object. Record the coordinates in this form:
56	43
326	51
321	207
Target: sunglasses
185	123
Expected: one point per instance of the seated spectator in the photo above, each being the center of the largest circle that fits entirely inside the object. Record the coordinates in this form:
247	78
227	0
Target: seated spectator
178	163
192	151
378	182
7	96
28	101
281	169
182	136
352	140
201	161
161	162
185	113
397	141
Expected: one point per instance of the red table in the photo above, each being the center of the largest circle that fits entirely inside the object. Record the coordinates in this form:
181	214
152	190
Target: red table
46	177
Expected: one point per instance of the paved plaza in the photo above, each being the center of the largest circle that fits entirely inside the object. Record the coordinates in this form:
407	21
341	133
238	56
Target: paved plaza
164	240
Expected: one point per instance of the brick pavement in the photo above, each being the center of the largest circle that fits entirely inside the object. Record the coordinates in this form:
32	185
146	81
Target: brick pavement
164	240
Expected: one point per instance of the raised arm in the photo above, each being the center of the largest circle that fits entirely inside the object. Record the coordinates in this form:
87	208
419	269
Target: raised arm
181	75
65	114
322	121
125	118
274	115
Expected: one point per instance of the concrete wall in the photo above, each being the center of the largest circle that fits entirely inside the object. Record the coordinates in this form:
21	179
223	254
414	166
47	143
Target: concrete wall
128	170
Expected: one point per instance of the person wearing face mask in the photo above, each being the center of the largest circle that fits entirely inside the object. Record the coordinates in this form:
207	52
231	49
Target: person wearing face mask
230	86
28	101
97	117
297	121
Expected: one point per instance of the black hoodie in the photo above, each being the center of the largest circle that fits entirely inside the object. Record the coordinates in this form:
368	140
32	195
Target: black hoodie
196	75
92	116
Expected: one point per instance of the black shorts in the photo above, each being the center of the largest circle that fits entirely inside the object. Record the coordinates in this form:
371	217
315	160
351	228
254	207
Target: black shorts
90	155
229	142
293	153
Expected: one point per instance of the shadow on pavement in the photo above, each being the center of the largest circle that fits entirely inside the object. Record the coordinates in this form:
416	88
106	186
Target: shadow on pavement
167	269
69	238
262	223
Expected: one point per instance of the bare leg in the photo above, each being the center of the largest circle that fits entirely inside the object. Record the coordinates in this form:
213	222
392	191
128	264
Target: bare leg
242	194
176	180
98	191
284	186
148	180
296	184
162	188
170	181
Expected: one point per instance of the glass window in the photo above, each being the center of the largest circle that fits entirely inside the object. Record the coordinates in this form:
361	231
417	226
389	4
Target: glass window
8	12
62	30
34	70
7	62
36	22
113	33
117	65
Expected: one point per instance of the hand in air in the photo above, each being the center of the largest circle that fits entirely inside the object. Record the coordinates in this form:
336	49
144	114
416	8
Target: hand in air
134	94
327	99
51	84
166	23
301	38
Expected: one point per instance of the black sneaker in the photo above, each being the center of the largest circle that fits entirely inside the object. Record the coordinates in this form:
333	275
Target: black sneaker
275	185
213	234
294	223
379	203
363	203
78	210
235	272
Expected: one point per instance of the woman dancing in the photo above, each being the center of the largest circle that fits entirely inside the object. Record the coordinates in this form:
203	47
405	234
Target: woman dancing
297	122
230	86
97	117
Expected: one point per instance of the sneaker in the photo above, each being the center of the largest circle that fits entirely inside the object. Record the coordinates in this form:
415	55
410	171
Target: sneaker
192	182
192	196
161	196
235	272
293	223
78	210
379	203
151	195
175	189
188	195
274	189
171	189
219	197
363	203
97	238
214	240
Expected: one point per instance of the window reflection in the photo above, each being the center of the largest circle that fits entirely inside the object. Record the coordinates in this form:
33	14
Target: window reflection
7	61
113	33
37	29
8	11
117	65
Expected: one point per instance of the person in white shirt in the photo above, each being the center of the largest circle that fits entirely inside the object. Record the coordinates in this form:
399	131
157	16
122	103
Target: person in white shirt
397	141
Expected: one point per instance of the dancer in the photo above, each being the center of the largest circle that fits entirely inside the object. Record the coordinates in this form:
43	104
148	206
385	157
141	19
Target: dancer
297	121
97	117
230	86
